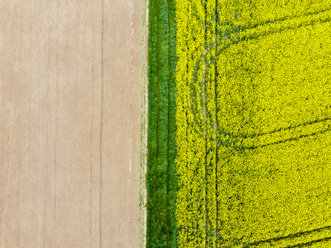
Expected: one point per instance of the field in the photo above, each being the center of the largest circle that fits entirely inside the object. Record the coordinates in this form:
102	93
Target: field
70	85
165	123
239	124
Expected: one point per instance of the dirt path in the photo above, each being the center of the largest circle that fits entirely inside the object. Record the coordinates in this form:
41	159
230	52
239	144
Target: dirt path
70	92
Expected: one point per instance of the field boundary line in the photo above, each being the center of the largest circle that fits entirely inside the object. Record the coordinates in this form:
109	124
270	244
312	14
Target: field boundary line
143	129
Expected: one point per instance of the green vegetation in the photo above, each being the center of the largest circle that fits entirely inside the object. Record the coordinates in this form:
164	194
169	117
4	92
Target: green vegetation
161	171
239	124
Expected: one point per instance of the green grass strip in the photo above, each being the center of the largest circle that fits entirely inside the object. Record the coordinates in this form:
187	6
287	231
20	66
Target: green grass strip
161	170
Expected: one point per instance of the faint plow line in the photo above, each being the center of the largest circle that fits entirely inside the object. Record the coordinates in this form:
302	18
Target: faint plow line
281	19
204	100
286	140
238	39
304	124
236	143
221	47
308	243
216	123
290	236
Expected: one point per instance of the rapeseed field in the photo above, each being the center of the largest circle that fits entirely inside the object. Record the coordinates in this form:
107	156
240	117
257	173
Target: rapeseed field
239	124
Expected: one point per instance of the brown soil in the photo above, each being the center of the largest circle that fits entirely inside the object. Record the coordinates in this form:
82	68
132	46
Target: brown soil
70	90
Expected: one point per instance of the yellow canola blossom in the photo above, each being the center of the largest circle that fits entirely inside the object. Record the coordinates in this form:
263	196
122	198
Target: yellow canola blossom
253	123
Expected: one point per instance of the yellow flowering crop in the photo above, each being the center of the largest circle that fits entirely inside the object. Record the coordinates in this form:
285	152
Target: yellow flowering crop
253	123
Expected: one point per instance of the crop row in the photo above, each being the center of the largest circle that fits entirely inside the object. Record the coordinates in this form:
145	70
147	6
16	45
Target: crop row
196	163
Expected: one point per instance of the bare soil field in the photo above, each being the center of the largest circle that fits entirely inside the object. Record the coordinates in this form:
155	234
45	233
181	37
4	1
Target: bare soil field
70	93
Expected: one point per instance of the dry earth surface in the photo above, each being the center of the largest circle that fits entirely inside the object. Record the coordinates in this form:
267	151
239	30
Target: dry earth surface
70	90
